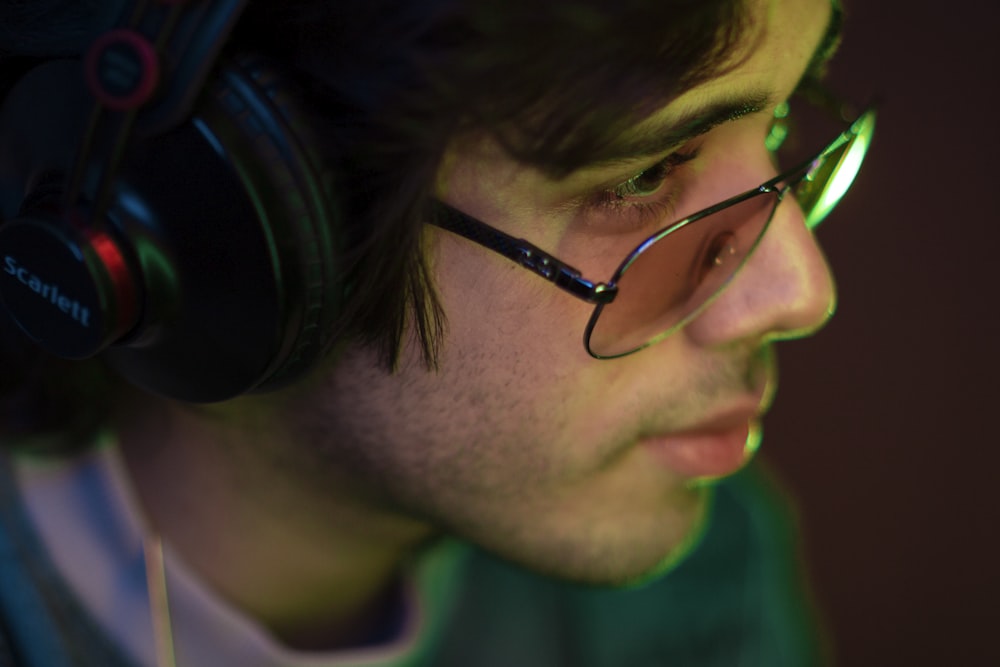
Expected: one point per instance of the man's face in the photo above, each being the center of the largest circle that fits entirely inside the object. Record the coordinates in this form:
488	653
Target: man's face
521	441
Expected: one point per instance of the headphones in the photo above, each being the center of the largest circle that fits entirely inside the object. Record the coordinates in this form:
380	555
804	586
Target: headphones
163	204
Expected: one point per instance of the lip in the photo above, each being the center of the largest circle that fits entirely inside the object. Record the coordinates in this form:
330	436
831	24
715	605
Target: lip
715	449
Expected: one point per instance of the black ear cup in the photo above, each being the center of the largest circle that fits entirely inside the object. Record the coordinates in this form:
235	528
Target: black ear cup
223	228
252	232
303	216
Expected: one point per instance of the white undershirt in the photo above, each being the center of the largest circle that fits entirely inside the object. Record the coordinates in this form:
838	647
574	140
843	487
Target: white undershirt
87	517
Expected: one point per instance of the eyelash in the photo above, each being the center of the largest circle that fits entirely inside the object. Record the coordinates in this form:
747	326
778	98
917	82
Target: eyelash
627	198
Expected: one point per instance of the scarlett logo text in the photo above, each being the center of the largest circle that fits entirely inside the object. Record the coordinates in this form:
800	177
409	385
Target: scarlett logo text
48	291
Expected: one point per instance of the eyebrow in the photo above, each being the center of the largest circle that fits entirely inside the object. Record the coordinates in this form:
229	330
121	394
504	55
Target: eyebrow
656	140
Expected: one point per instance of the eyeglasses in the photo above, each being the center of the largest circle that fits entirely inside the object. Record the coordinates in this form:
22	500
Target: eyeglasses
669	278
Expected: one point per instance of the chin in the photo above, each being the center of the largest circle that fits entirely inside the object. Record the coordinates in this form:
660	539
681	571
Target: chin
624	554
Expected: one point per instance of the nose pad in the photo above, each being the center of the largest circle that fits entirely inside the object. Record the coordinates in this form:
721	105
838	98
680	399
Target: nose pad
785	290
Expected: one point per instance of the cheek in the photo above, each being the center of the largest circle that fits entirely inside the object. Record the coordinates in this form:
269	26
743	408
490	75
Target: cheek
515	397
515	374
499	309
514	385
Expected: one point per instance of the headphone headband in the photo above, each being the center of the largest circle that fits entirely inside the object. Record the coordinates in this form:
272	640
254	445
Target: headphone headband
164	46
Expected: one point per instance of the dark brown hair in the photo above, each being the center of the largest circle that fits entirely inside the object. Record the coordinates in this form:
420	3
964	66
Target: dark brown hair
551	81
392	82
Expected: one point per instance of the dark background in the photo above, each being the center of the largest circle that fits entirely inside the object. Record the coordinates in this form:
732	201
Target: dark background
886	428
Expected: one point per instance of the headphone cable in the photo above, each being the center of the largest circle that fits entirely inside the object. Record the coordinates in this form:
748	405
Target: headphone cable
159	604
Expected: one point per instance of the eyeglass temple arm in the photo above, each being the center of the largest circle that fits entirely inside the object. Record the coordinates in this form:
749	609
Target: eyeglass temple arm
520	251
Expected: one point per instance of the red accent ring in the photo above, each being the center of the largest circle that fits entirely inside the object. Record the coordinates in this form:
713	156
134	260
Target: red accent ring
147	79
121	280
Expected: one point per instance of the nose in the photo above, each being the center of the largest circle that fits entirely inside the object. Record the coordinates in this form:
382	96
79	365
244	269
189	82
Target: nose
785	290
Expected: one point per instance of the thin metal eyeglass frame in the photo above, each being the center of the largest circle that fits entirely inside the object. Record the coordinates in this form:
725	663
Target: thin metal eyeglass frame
571	280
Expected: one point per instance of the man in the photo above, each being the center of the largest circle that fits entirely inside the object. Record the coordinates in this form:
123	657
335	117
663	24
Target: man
327	520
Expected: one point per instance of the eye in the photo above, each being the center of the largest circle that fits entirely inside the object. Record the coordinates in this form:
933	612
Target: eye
649	181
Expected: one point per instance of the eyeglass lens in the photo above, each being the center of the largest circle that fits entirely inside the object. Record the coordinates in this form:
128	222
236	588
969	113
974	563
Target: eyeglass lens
670	279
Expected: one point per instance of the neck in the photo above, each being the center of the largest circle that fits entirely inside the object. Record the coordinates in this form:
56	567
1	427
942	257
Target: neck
309	553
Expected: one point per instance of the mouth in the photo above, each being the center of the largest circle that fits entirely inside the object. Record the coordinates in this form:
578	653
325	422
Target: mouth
717	449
